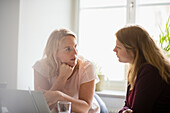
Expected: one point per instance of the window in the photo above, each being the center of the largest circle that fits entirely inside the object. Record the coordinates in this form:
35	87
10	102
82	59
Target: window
100	19
153	14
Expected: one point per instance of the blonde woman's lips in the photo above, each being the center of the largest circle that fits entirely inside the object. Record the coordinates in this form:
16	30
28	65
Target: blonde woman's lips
73	59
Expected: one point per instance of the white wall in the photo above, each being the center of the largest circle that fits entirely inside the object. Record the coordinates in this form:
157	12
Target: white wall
9	22
38	18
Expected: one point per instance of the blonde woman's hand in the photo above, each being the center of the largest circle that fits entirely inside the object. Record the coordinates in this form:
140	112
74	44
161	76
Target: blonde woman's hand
66	70
128	111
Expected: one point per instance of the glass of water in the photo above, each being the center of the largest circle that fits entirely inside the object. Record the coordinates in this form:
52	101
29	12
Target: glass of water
64	107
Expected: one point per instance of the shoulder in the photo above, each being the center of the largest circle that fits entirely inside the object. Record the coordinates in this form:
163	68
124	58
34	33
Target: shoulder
148	68
85	64
148	71
87	71
42	67
40	63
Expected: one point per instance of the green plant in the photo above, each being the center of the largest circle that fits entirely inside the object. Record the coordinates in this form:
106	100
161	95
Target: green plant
165	38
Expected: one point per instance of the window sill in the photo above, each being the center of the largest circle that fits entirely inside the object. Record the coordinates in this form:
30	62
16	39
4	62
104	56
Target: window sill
111	93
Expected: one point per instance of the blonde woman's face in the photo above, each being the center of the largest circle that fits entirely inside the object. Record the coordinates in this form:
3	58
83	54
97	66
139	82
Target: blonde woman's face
67	51
122	54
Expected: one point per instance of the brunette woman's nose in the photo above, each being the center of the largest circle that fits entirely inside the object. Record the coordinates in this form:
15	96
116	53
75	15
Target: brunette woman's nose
114	50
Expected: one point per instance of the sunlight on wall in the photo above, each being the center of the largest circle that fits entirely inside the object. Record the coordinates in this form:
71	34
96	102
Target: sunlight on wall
37	20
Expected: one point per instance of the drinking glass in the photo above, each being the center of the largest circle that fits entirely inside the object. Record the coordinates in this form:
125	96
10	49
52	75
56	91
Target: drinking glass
64	107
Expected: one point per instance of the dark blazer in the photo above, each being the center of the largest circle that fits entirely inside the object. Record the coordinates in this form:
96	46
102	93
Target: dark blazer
151	94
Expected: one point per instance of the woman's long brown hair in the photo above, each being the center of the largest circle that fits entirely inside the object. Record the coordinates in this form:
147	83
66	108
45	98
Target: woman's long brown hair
136	39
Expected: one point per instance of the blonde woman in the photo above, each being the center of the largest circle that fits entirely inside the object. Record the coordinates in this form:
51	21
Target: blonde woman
149	72
62	75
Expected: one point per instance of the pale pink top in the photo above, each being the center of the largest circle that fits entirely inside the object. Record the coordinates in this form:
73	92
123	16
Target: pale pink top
85	74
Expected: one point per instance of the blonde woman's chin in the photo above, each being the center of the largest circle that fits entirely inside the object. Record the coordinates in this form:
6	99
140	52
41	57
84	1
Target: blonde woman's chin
73	63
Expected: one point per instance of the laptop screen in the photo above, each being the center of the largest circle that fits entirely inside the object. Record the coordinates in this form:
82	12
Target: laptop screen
24	101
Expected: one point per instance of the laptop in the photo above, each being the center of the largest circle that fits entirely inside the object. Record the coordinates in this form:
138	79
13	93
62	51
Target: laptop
24	101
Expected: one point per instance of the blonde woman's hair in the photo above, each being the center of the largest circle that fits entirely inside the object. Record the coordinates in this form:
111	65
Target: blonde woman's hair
52	48
136	39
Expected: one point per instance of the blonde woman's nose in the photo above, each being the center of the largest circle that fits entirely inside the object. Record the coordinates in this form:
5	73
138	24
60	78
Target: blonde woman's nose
75	51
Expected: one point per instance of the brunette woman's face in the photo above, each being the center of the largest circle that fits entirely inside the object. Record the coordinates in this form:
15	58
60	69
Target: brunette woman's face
67	51
122	54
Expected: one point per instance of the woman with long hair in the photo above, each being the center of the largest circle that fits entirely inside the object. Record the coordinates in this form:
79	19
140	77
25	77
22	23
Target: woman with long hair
62	75
148	88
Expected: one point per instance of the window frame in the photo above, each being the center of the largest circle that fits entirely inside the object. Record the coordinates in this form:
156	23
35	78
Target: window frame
131	8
